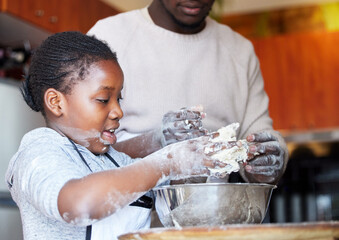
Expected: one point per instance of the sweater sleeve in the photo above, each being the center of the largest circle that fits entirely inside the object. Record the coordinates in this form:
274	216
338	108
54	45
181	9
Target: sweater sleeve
256	117
40	175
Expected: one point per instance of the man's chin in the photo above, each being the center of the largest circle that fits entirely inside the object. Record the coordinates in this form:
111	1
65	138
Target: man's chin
190	25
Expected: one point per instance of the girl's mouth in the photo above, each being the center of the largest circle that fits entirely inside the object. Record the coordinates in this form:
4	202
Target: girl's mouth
109	136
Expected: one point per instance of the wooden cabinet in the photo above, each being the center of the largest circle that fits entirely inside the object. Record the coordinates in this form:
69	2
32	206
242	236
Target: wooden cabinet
299	59
301	78
39	12
59	15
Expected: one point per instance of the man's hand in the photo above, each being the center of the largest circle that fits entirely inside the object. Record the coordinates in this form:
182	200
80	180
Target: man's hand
266	158
182	125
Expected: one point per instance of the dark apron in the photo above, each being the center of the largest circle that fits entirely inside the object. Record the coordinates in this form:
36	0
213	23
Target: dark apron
144	201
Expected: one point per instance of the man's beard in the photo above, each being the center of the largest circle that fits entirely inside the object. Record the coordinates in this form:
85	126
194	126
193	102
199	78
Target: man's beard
185	25
188	26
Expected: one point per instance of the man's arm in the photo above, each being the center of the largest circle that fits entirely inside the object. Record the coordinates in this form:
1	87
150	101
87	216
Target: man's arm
142	145
176	126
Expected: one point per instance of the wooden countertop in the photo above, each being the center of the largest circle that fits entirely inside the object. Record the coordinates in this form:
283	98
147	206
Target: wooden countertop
288	231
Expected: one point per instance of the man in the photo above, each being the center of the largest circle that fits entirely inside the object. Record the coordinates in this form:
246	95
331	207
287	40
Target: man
174	55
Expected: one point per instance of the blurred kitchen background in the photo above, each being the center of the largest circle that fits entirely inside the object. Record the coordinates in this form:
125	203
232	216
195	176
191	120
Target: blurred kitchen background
297	42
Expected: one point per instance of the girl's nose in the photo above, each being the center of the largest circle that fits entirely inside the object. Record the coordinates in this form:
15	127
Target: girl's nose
116	113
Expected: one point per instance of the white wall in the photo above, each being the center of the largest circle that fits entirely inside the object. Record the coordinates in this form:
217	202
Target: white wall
127	5
16	118
247	6
229	6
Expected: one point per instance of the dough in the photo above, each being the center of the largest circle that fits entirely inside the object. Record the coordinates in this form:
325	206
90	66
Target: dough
232	156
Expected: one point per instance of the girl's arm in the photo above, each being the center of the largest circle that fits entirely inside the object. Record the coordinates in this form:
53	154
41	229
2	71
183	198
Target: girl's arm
101	194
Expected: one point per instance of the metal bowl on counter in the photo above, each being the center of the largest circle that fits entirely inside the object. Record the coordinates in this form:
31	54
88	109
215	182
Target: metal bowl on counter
212	204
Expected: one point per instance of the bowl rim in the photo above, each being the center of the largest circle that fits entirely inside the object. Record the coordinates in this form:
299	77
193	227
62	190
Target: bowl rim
176	186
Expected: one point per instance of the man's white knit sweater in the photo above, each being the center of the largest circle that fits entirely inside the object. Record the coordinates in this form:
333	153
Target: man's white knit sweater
165	71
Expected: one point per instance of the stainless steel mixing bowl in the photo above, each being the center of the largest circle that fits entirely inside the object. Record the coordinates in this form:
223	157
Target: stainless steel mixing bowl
212	204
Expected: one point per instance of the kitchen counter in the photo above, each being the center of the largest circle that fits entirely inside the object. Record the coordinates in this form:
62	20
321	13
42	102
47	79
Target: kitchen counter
319	135
11	226
289	231
6	199
320	143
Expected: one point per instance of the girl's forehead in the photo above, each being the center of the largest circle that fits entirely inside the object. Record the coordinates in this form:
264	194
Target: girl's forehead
105	73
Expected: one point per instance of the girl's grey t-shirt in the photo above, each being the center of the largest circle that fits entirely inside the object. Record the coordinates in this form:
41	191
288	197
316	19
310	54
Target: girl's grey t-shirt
44	162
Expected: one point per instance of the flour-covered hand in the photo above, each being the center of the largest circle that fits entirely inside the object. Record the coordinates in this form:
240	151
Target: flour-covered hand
191	157
266	158
182	125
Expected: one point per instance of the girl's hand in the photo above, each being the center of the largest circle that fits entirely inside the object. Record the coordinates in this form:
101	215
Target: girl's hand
191	157
182	125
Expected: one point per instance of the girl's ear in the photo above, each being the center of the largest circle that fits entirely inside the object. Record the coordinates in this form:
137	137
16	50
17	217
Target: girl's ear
54	101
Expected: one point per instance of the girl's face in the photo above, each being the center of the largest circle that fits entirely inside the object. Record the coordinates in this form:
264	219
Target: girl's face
92	110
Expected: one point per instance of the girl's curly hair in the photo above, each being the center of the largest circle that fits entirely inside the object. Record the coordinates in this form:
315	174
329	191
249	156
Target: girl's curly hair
59	62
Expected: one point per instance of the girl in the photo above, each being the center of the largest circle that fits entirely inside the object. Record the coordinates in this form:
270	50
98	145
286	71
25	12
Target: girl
66	177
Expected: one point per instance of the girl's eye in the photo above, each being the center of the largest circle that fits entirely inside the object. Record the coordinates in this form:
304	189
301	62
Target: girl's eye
103	100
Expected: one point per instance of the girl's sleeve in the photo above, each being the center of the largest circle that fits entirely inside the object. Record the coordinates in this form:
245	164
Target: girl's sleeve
40	177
